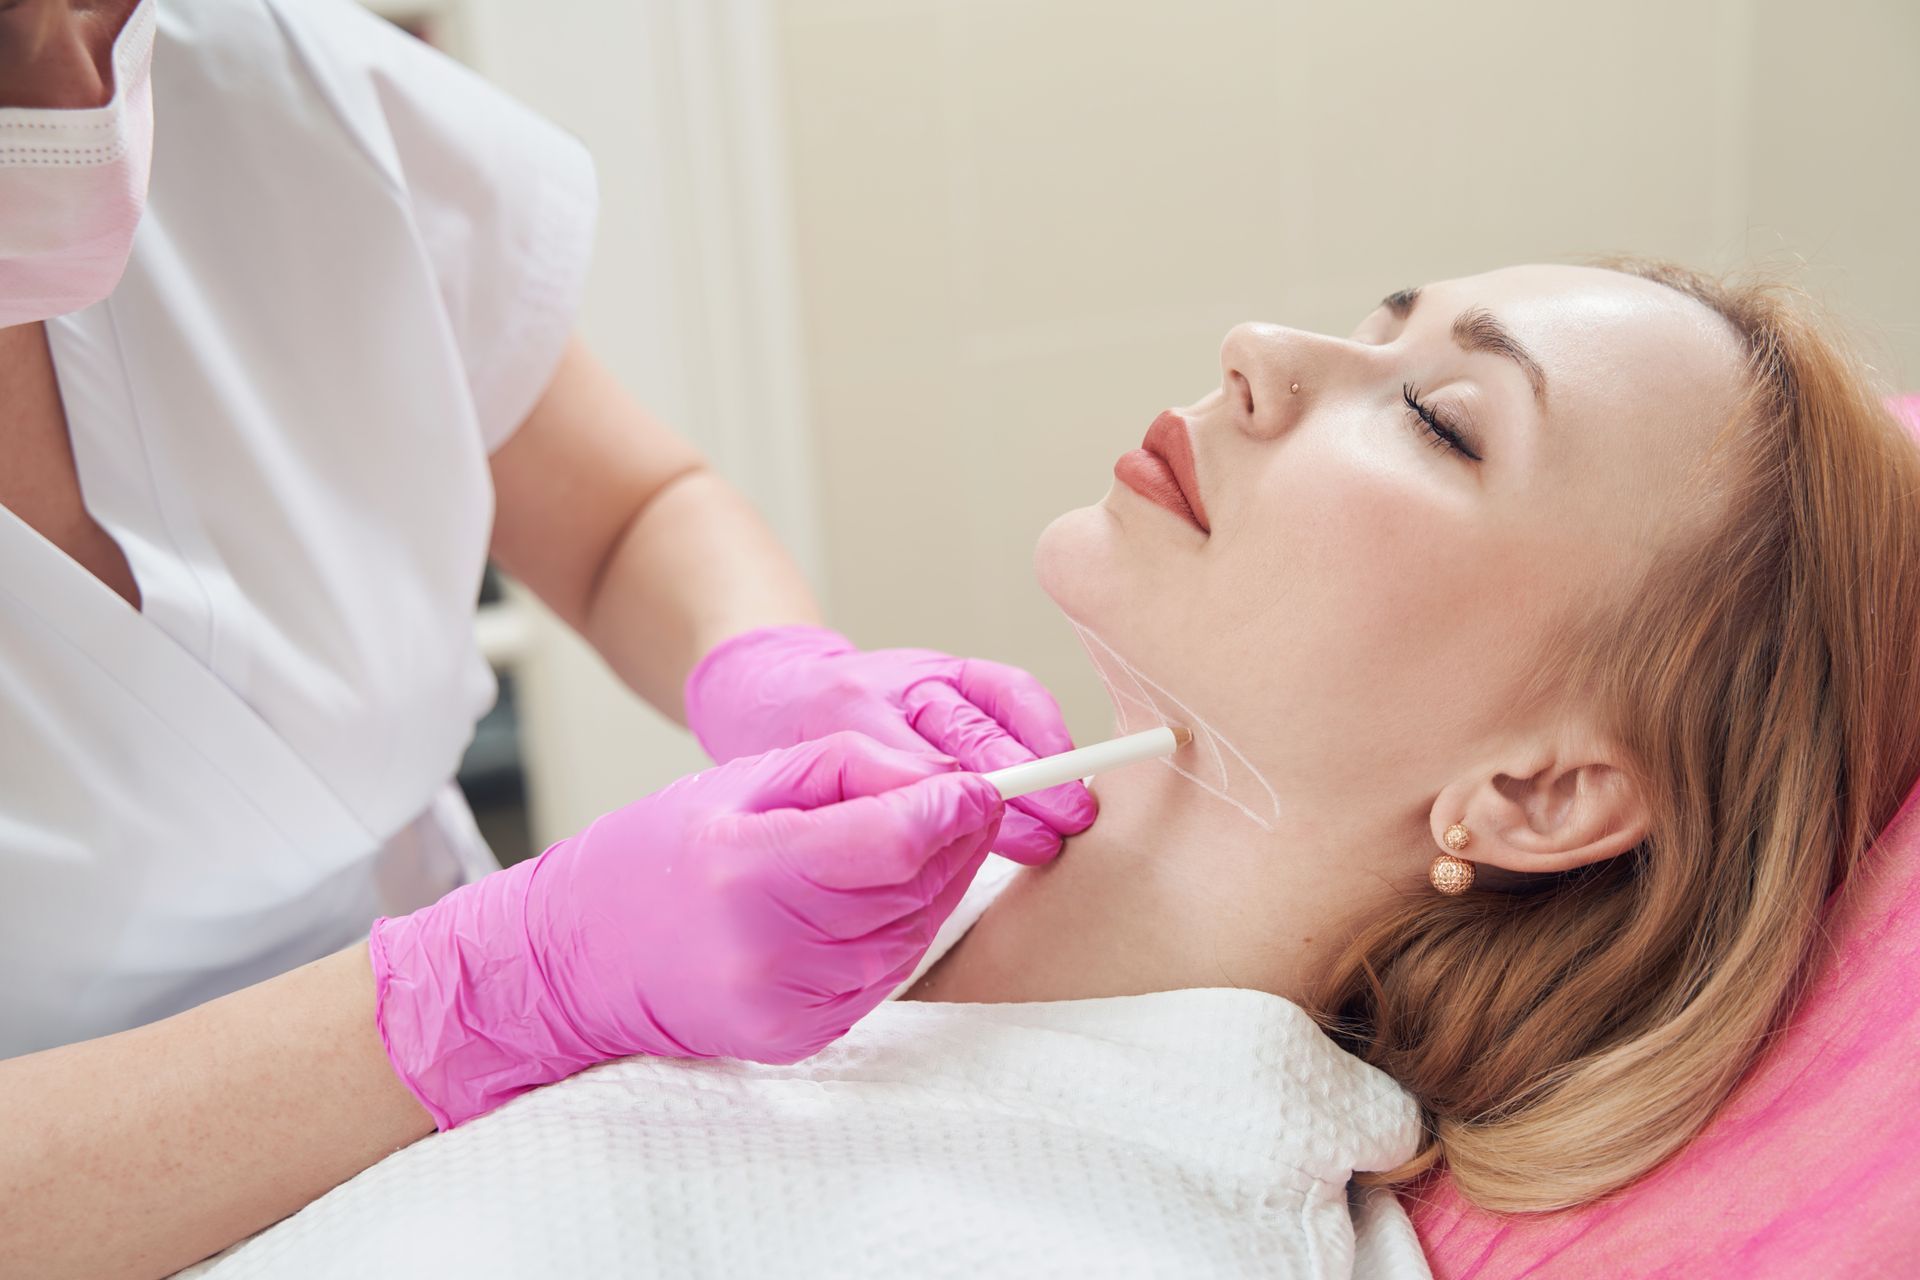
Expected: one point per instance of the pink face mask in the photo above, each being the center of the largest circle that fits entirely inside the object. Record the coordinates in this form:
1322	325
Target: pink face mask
72	188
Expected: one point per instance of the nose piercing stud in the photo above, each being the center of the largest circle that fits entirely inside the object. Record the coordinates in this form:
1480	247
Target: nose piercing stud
1294	390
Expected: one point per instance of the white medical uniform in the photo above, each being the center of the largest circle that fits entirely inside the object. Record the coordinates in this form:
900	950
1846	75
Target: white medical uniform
356	273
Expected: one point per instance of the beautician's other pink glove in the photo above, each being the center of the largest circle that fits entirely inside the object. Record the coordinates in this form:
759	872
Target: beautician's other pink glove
781	685
756	910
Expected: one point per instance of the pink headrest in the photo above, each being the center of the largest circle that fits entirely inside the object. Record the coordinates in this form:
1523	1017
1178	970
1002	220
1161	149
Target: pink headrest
1907	409
1811	1169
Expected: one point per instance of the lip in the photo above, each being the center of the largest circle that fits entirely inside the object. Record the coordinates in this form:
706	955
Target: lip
1161	470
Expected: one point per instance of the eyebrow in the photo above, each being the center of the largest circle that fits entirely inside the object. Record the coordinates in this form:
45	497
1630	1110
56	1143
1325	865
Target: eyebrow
1478	329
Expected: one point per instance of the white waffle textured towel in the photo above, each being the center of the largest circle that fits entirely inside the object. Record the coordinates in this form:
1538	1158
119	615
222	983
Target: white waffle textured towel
1183	1134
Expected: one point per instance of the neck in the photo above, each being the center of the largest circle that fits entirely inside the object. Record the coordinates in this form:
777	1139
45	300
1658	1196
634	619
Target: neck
1170	888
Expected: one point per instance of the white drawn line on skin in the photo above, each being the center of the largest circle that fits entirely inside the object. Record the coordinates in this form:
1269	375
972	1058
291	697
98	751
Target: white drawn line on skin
1252	817
1135	678
1273	797
1131	675
1122	702
1121	695
1125	704
1130	703
1214	737
1145	701
1219	761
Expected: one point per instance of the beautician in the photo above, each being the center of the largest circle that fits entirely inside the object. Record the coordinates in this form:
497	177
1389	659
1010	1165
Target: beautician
285	353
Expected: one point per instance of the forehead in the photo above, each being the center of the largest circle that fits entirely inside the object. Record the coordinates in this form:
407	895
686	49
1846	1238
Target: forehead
1610	342
1641	380
1632	366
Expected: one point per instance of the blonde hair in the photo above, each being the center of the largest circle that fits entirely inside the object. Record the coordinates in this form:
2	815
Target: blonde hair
1566	1037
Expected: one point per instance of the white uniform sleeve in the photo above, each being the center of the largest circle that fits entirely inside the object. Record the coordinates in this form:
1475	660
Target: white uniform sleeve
503	199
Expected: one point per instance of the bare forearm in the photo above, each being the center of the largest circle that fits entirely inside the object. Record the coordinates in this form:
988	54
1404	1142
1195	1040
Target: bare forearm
619	524
697	565
139	1153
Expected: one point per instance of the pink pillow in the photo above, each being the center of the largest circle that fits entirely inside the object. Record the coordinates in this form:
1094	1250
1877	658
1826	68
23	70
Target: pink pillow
1907	409
1811	1169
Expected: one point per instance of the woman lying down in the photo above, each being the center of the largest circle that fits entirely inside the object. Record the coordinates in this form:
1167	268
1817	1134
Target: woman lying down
1549	649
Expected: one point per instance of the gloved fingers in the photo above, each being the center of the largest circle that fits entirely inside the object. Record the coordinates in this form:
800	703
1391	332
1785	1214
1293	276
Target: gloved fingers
847	919
943	716
904	970
892	948
834	1015
909	916
749	692
941	884
1018	701
868	842
1026	839
953	723
942	904
880	720
913	911
838	767
825	985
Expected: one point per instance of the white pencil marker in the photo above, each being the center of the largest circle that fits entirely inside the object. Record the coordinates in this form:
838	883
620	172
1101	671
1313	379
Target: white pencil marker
1068	766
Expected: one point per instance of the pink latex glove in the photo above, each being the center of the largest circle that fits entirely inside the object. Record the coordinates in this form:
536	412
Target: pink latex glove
781	685
756	910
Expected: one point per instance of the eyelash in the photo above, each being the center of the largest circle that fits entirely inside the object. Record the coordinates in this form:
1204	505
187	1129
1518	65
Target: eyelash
1437	428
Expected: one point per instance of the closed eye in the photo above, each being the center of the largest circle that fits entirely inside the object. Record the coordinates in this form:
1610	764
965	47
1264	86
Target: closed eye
1442	433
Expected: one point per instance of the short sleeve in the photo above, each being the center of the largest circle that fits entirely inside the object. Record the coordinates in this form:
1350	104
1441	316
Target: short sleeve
503	200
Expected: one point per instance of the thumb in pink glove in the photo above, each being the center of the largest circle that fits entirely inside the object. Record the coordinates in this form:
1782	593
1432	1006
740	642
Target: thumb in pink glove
756	910
781	685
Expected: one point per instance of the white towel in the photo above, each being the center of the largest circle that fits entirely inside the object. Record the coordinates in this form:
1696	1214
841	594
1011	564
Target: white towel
1184	1133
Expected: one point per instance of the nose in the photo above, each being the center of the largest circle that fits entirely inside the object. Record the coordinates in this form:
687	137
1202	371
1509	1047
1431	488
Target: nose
68	57
1264	371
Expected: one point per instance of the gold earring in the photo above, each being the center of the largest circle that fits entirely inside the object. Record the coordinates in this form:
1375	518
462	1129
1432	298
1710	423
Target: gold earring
1450	875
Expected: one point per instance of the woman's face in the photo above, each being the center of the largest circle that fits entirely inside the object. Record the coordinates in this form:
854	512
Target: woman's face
1366	597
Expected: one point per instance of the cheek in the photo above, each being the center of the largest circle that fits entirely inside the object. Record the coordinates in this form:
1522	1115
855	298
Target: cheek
1338	618
1359	550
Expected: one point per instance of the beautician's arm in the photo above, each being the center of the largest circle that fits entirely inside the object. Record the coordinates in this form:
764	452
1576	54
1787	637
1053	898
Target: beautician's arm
138	1153
620	526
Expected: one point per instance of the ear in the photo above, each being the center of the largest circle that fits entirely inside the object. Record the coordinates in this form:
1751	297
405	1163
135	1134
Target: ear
1552	807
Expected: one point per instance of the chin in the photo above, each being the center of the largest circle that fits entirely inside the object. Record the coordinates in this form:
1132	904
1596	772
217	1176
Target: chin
1078	562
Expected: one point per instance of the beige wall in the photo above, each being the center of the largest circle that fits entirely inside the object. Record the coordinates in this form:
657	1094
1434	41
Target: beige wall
1023	226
